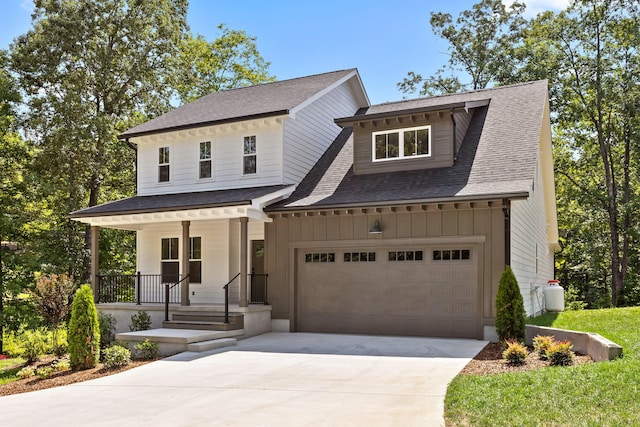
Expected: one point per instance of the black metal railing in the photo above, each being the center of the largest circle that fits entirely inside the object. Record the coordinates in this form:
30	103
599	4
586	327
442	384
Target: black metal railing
168	287
226	298
258	288
138	288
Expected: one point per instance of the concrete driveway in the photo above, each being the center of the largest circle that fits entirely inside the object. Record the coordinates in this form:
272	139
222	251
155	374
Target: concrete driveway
274	379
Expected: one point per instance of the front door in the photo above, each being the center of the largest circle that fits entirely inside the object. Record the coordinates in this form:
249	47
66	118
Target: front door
258	278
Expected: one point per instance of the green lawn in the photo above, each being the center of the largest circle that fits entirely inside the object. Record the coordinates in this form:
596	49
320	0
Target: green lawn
9	368
598	394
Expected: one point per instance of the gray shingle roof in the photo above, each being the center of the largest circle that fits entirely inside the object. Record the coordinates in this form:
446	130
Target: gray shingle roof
269	99
180	201
497	157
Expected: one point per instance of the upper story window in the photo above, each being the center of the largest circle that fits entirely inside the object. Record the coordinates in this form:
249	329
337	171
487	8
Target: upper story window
402	143
249	158
163	164
205	160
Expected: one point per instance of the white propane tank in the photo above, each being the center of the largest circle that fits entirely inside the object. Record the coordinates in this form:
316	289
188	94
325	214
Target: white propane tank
554	296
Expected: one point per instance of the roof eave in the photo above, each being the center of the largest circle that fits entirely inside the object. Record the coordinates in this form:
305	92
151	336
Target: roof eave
126	134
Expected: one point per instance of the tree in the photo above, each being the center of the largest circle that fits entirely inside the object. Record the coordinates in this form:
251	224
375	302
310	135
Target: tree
84	331
88	69
481	45
232	60
52	298
510	314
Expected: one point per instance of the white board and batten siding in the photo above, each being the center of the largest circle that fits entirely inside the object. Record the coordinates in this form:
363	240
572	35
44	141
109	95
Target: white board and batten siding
312	129
532	257
227	160
218	247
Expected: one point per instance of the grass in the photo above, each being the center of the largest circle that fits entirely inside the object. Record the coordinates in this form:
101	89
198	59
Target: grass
9	368
598	394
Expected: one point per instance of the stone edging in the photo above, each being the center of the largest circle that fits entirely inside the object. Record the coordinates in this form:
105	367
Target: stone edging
596	346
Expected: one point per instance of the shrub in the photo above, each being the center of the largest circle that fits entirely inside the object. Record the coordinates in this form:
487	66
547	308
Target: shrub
27	372
147	350
61	365
44	372
61	350
510	314
542	343
84	331
33	345
51	298
140	321
560	354
516	352
107	329
116	357
572	299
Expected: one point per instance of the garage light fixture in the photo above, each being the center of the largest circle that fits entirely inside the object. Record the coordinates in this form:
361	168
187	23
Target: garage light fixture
376	228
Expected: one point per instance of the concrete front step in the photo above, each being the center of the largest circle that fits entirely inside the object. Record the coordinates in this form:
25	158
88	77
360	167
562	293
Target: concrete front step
201	325
207	317
211	344
173	341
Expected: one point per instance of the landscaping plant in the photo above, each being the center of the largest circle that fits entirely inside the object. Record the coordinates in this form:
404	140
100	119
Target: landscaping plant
147	350
541	344
107	329
116	357
516	352
84	331
33	345
140	321
560	354
51	297
510	314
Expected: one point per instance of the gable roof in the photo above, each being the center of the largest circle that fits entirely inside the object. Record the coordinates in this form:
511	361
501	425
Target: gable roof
264	100
497	157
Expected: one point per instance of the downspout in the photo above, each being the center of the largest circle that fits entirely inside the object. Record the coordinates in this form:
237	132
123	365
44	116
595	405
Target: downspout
506	210
453	120
134	147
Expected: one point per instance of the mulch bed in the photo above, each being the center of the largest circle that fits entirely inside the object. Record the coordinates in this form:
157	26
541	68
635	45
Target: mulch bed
489	361
61	378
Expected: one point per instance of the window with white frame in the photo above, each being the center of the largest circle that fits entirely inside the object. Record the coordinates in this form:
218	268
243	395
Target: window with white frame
205	160
170	268
249	157
163	164
195	259
401	143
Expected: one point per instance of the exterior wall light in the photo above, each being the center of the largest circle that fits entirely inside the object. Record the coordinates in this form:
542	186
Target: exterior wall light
376	228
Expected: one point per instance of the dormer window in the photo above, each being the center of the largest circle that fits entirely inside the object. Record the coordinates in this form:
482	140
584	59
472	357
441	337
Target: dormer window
163	164
249	158
205	160
402	143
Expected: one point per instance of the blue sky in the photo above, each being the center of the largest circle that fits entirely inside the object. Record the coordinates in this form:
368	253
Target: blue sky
384	39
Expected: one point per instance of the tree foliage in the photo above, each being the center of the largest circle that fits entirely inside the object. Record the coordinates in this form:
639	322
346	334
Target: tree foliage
230	61
510	314
84	331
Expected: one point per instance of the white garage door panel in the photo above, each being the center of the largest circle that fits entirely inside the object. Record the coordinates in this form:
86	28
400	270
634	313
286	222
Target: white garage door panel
426	297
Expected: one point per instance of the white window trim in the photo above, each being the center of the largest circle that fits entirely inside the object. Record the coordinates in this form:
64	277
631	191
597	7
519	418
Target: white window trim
401	155
253	174
200	160
164	164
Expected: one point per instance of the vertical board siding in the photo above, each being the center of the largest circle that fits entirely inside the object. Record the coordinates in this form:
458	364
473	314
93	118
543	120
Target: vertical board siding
227	158
528	233
309	134
487	221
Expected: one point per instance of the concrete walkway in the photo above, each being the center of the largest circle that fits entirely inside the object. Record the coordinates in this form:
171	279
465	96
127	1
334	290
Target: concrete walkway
269	380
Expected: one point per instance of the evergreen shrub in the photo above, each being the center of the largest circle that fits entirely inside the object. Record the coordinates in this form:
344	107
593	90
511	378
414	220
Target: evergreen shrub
510	314
84	331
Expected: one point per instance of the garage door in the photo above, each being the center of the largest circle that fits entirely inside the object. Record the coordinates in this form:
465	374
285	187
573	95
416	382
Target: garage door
414	291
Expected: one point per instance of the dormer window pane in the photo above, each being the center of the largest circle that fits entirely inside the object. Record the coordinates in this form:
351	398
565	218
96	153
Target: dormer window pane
403	143
205	160
250	157
163	164
387	145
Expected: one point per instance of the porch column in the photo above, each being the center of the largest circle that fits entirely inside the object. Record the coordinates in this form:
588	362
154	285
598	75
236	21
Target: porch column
244	301
184	260
95	267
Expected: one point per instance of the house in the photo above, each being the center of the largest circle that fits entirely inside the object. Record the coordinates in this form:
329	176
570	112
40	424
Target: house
395	219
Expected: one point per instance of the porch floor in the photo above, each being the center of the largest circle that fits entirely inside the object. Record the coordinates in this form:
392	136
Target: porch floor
172	341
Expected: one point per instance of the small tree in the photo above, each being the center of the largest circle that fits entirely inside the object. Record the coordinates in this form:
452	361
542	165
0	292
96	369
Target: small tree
84	331
510	314
51	297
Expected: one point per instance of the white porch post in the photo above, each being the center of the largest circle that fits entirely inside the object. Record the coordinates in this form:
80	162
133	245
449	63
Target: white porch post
184	260
244	301
95	267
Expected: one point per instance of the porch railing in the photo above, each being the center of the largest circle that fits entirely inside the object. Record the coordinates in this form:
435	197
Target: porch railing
138	288
168	287
258	286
